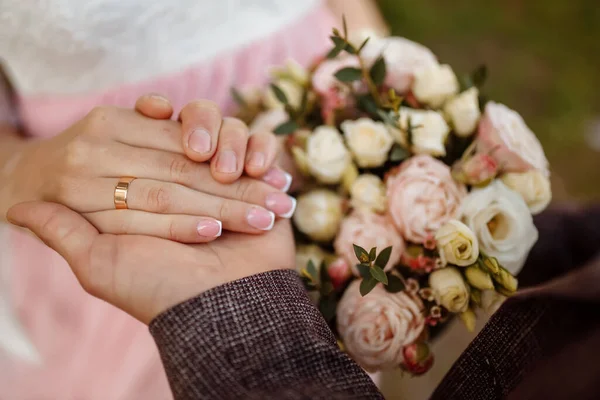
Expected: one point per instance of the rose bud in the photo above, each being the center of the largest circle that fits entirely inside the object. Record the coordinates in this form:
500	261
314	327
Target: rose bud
533	186
457	244
418	359
477	170
479	278
450	289
435	84
339	272
463	112
369	141
468	318
318	214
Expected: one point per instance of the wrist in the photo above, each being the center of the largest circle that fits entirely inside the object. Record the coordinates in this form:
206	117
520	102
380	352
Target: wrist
17	183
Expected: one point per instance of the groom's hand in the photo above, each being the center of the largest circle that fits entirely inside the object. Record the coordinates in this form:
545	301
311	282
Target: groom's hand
145	275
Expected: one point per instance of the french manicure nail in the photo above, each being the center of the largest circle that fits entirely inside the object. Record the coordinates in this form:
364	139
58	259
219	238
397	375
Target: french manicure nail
278	179
260	218
281	204
256	159
209	228
199	141
227	162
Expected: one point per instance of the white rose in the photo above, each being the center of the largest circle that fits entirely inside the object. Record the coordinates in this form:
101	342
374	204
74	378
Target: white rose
269	120
449	289
502	224
368	191
435	84
463	112
491	301
504	134
369	141
318	214
402	58
429	133
533	186
457	244
327	156
290	71
310	252
292	91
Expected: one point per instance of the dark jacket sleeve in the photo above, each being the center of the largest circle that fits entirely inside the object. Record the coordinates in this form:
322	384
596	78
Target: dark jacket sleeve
259	337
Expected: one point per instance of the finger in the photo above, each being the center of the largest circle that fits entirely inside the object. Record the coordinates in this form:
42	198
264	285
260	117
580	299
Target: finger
261	154
228	163
169	198
154	106
62	229
179	228
278	178
201	122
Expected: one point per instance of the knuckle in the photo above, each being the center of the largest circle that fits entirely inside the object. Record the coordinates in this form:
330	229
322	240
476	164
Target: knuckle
180	169
209	108
105	256
158	199
224	212
237	126
173	232
97	117
77	153
244	190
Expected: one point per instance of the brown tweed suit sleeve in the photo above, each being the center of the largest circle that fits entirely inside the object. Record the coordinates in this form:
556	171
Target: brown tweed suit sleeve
259	337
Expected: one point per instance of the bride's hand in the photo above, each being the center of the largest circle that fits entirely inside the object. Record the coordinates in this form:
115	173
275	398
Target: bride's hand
173	197
143	275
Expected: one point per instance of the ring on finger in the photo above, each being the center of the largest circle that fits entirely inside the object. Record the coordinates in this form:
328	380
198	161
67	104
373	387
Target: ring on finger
121	192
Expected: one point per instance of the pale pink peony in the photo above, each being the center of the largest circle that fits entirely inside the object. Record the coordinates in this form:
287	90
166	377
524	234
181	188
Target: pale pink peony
324	80
367	230
422	196
504	134
375	328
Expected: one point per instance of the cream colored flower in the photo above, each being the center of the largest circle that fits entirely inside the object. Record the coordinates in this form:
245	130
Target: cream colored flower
375	328
502	224
327	155
435	84
291	71
463	112
533	186
491	301
267	121
368	191
292	91
422	196
450	289
429	131
368	230
402	58
503	133
478	278
369	141
457	244
311	252
318	214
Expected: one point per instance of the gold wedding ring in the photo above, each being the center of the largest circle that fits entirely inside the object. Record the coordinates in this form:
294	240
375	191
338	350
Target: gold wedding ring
121	192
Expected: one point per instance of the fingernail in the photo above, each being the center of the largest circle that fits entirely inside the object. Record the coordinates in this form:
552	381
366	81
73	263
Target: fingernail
278	179
260	218
160	98
210	228
226	162
281	204
199	141
256	159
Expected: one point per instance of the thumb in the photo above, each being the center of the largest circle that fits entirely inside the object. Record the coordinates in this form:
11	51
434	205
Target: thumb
154	106
61	228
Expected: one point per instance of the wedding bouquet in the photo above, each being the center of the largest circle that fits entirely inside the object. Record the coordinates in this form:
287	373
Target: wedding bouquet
419	192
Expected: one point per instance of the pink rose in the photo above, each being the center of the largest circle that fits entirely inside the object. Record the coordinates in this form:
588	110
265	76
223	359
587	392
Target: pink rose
375	328
339	272
367	229
504	134
422	196
476	170
324	80
418	359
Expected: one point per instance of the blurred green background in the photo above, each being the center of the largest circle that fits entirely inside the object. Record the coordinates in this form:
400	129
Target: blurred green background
543	59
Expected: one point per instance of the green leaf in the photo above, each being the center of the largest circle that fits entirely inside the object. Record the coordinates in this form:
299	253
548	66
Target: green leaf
379	275
279	93
361	254
334	52
350	49
363	44
327	307
338	42
367	104
286	127
367	285
383	257
466	82
345	26
308	284
395	284
311	269
398	153
479	76
348	74
373	254
364	270
378	71
237	97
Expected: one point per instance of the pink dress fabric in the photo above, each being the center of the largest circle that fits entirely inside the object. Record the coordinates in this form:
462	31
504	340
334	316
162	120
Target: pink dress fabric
89	349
